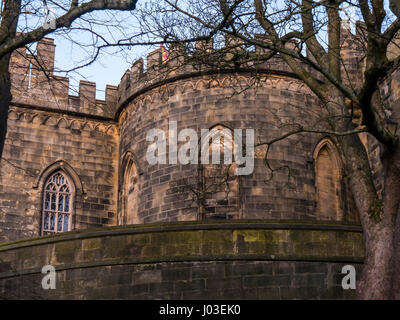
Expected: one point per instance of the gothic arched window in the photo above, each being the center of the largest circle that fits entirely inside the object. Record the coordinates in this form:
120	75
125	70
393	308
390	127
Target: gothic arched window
57	204
328	179
130	195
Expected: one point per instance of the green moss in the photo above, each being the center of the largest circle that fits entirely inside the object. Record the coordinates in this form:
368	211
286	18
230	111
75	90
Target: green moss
222	248
273	236
320	249
216	236
181	250
114	247
246	235
256	247
272	249
207	249
91	244
204	241
303	249
67	247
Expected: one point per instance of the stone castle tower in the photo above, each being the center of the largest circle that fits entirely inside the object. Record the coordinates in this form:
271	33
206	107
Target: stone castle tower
137	230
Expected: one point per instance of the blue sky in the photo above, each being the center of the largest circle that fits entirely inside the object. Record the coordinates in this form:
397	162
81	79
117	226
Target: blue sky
75	47
110	66
108	69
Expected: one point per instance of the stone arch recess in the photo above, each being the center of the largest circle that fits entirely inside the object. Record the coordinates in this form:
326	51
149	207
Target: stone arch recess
129	166
328	180
223	200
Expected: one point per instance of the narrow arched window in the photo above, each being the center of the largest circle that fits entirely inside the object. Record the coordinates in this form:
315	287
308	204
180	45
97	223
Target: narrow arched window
131	195
57	204
328	181
220	183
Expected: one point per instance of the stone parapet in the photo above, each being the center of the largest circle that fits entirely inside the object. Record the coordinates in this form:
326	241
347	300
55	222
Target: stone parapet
258	259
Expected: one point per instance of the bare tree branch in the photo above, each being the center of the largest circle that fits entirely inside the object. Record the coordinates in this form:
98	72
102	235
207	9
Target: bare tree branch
64	21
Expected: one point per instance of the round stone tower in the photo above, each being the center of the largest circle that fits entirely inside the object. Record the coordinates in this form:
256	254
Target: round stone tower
302	176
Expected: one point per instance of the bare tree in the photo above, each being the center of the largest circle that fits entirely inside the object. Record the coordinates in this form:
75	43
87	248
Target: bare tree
24	22
290	28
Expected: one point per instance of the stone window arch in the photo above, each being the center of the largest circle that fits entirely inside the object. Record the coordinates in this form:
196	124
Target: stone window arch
130	192
328	181
220	184
58	197
75	183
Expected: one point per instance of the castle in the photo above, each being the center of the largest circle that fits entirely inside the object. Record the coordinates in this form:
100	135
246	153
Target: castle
77	193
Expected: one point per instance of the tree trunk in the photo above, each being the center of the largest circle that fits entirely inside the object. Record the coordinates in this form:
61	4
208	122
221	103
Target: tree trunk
8	28
381	268
378	216
5	99
396	271
375	280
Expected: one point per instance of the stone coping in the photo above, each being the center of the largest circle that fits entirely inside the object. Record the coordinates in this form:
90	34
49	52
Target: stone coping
184	226
241	240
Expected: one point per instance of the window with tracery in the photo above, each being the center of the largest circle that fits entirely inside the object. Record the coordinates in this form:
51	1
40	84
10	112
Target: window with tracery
57	204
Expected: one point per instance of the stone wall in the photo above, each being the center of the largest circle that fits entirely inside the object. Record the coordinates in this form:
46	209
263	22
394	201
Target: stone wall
97	141
49	130
272	107
225	260
40	142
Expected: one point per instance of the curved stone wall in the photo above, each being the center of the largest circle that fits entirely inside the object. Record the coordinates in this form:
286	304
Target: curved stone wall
233	101
189	260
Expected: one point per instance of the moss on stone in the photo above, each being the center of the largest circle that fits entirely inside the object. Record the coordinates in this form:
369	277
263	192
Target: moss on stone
247	235
91	244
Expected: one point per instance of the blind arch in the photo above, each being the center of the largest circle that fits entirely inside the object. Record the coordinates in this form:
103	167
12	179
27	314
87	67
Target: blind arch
328	181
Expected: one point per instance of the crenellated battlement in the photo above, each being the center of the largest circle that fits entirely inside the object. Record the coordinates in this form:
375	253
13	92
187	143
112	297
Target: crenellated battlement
33	83
206	59
183	64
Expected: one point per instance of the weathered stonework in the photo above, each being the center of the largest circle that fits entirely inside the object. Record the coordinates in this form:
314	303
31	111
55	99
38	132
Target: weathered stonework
281	234
238	260
88	147
200	103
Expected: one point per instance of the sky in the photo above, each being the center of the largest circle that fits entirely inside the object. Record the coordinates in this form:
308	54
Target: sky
109	67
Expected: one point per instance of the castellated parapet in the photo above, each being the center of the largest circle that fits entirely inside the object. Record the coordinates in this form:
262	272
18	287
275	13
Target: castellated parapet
180	66
34	84
207	60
